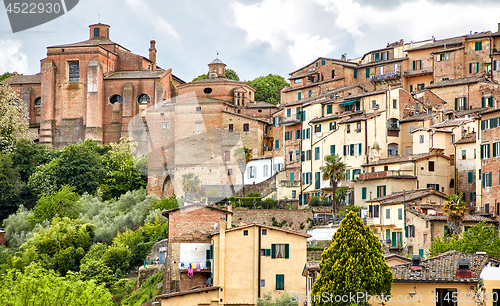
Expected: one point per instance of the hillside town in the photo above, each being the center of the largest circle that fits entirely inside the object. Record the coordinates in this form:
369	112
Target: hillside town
240	201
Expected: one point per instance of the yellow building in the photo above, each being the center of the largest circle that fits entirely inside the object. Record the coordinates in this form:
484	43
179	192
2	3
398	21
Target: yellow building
387	217
449	279
247	262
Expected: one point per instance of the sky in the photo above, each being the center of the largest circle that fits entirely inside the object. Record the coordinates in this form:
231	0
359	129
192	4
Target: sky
253	37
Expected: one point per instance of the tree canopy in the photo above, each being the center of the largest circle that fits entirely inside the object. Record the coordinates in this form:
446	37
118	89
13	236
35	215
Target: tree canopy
268	88
13	119
4	76
334	171
352	264
479	238
11	187
456	210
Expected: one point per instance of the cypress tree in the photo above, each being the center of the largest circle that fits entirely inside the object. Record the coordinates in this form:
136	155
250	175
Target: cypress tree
352	266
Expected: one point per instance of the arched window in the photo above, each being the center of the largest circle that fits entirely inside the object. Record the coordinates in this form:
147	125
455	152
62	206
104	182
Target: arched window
143	99
37	102
392	149
116	98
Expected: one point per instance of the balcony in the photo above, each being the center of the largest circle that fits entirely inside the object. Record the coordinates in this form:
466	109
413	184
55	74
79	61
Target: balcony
289	183
423	70
385	77
387	174
289	121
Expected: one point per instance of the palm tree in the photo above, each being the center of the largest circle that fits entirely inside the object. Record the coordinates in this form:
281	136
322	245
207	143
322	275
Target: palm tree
333	170
456	210
242	156
190	184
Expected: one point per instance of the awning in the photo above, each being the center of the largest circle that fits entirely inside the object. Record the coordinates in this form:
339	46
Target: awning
348	102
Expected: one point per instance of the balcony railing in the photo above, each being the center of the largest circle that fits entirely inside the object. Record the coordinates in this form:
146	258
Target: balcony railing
289	183
422	70
384	174
385	76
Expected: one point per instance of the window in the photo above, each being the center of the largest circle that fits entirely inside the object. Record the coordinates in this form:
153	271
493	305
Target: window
445	297
246	127
227	155
297	134
207	90
478	46
381	191
410	129
400	214
332	150
297	81
144	99
374	104
411	88
262	283
357	149
422	138
387	213
37	102
496	149
280	282
433	186
452	183
231	127
280	251
308	155
417	65
265	170
323	62
470	177
395	103
252	172
381	70
348	128
474	67
245	233
277	144
96	32
367	73
316	153
329	109
464	154
165	125
317	128
443	57
333	126
348	175
355	73
431	165
363	193
74	71
376	209
358	127
299	95
485	151
116	99
317	180
461	103
289	112
229	171
310	92
487	179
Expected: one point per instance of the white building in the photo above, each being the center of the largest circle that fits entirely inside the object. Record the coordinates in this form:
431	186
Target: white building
261	168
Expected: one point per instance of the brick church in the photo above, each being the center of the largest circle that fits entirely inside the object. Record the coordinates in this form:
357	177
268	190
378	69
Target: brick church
98	89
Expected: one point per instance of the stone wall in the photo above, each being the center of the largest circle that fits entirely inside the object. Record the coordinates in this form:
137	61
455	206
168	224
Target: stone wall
265	216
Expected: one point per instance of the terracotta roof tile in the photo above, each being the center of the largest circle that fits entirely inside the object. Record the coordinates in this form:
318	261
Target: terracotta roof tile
450	123
405	159
455	82
469	138
140	74
16	79
417	117
409	195
439	43
260	104
442	268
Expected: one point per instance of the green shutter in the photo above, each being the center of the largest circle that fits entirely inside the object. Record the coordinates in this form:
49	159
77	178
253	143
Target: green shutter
367	73
400	214
345	150
273	250
280	282
363	193
421	253
446	230
287	250
355	73
483	104
406	231
465	103
456	103
317	179
384	190
268	252
378	191
482	125
332	150
351	149
470	67
484	185
348	175
469	177
414	65
489	180
300	95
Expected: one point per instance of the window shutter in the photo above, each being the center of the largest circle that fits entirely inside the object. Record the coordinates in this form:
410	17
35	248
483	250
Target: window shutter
456	103
483	104
413	65
268	252
208	254
367	73
287	250
273	250
484	185
489	180
465	103
446	230
482	125
469	177
470	67
351	149
384	190
363	193
355	73
378	191
332	150
345	150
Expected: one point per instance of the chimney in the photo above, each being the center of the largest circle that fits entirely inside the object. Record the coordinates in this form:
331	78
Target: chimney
415	263
463	270
229	216
152	54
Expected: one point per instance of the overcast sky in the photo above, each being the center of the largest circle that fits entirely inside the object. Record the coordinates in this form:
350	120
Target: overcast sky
253	37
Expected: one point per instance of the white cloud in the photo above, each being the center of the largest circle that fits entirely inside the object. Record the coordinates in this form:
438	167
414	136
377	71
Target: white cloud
145	14
282	25
11	58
